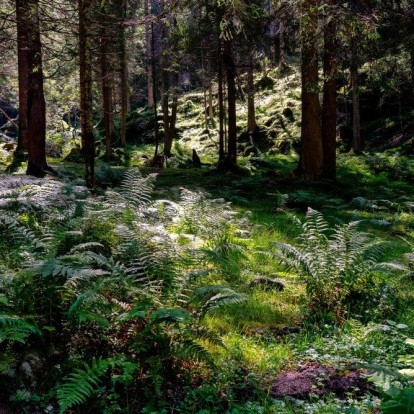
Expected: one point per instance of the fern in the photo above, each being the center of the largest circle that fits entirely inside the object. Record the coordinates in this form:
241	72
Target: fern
214	297
15	329
333	262
84	383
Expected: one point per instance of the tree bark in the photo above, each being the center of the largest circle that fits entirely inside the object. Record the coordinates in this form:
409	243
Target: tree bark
251	108
356	111
221	105
282	46
36	106
149	56
311	157
22	13
106	75
86	98
165	86
231	103
329	112
174	109
124	77
210	103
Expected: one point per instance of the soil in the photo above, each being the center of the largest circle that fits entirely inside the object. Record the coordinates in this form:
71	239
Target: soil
314	378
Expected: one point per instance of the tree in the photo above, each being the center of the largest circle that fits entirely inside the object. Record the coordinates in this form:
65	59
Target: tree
311	156
31	77
86	98
22	14
329	112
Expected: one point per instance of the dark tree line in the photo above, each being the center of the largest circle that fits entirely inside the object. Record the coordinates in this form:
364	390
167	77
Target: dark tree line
219	39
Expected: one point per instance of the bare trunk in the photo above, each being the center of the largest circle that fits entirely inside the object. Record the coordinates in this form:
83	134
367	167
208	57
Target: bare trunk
356	112
124	78
106	92
251	109
36	106
282	45
86	98
329	115
221	105
311	158
149	55
174	108
412	66
22	13
166	110
231	103
210	104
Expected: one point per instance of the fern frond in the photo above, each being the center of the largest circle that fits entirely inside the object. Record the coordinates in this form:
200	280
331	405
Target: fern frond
81	384
170	316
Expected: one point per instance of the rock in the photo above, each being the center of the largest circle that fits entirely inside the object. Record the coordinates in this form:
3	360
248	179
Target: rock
52	150
250	151
268	283
75	155
265	83
288	113
9	146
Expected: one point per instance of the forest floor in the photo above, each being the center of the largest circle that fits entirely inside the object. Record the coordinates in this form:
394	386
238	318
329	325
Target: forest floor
278	355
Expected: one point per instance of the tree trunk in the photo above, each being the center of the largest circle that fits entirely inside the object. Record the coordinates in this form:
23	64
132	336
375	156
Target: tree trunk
251	109
210	104
356	114
221	105
165	86
86	98
22	19
174	108
282	46
36	106
231	103
106	90
329	113
124	77
412	65
149	56
311	158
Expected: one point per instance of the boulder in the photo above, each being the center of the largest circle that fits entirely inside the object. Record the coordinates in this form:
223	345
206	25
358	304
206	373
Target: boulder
268	283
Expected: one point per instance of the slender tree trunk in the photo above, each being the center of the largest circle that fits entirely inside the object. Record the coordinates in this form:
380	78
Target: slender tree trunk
251	108
231	103
329	112
86	98
221	106
282	46
22	13
174	108
210	103
165	87
412	66
356	111
124	76
311	158
106	90
149	56
165	91
36	106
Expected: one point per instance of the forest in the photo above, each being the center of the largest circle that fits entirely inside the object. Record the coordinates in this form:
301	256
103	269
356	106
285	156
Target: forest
207	206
